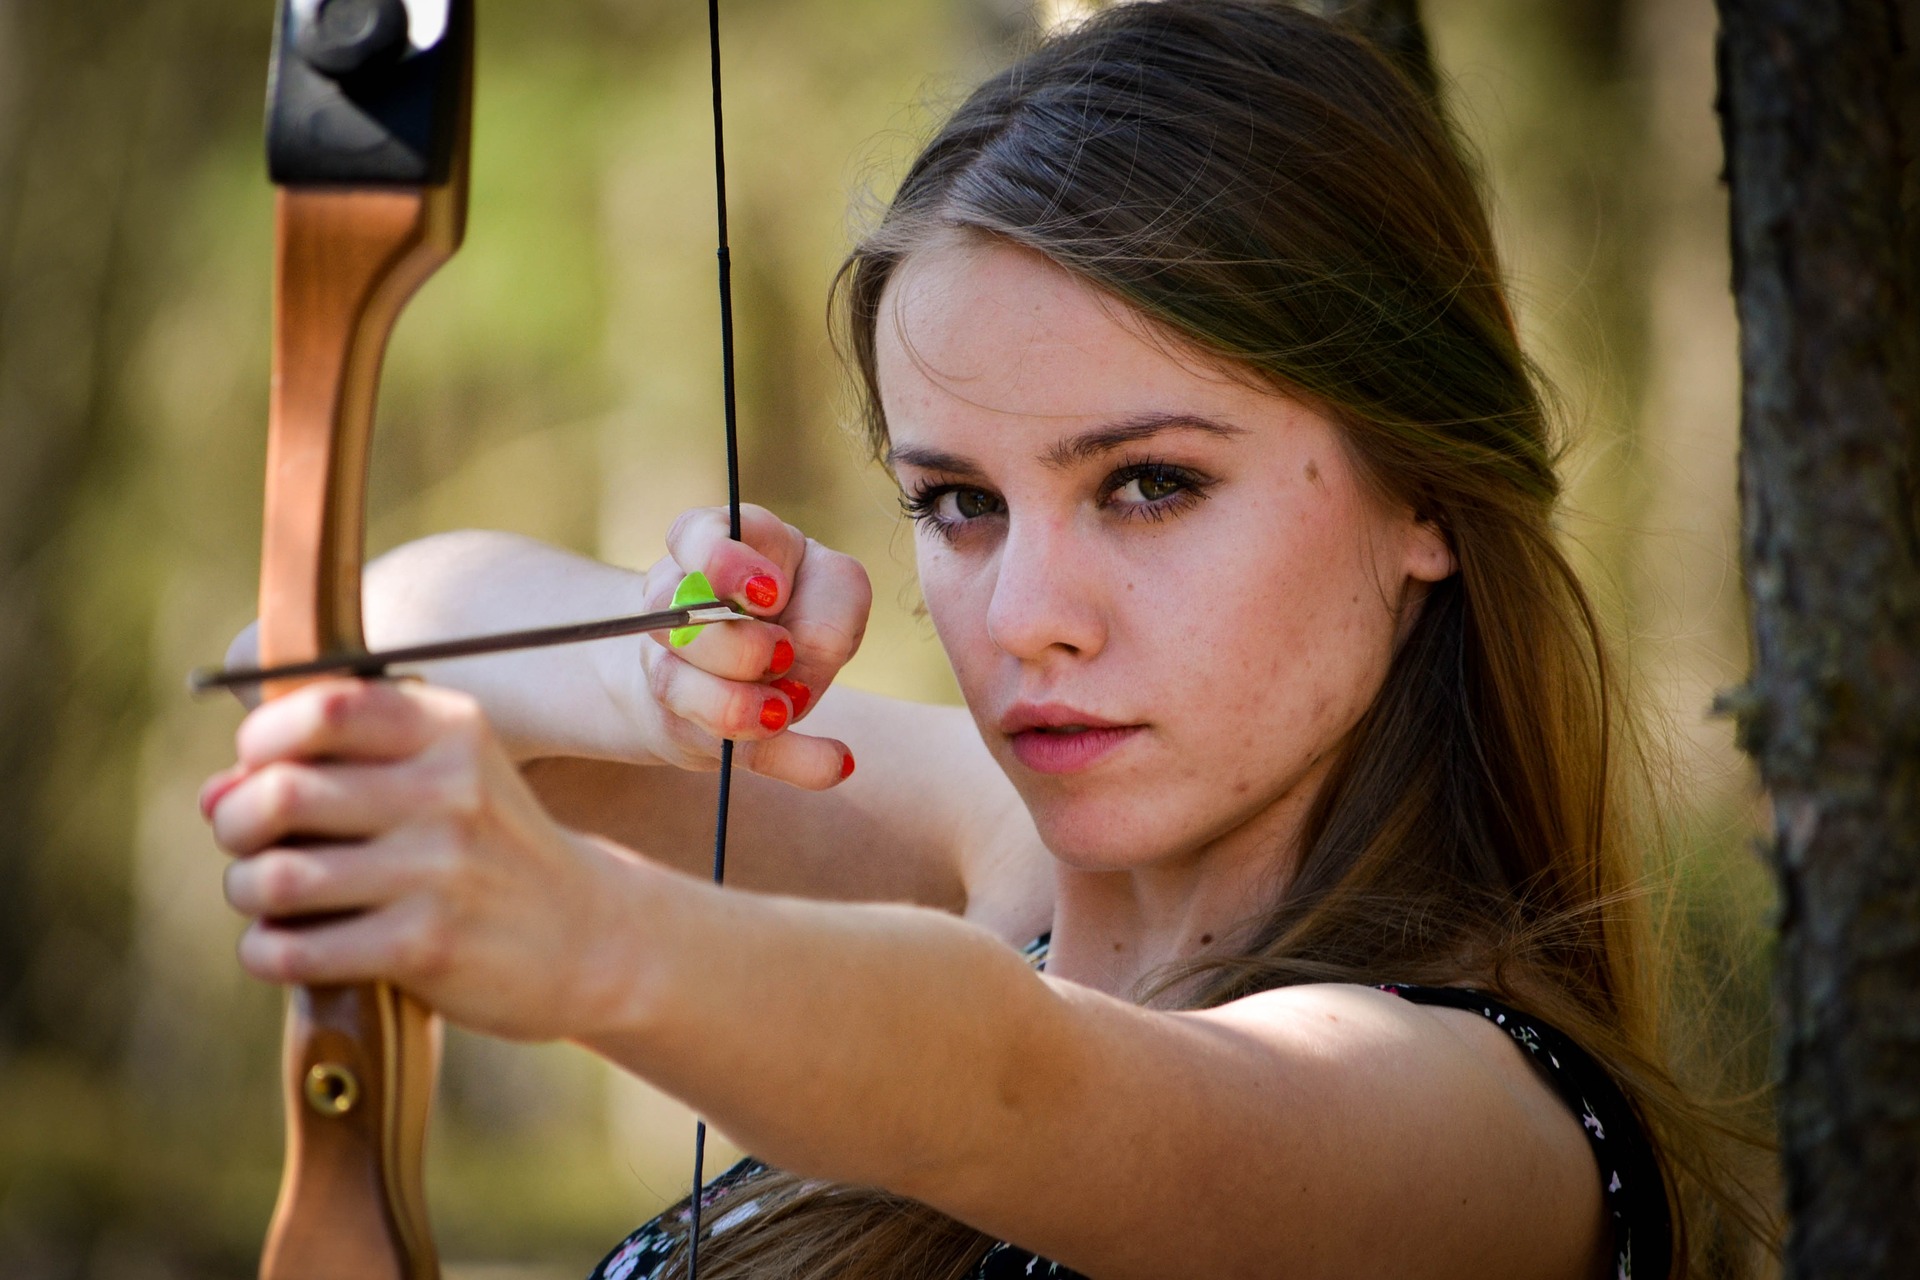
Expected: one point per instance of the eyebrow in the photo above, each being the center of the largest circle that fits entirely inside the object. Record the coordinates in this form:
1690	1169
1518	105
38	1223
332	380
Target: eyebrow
1092	444
1066	453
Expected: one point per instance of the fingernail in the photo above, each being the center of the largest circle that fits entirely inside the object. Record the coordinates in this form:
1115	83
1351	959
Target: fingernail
773	715
782	657
846	765
761	591
214	788
798	694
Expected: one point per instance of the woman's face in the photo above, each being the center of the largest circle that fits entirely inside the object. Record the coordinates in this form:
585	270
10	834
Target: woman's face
1166	593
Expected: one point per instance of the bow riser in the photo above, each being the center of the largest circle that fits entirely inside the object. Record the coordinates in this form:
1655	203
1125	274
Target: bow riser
359	1061
351	1201
347	262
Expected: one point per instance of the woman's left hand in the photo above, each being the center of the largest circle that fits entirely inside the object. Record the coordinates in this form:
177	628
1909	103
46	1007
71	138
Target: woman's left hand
380	832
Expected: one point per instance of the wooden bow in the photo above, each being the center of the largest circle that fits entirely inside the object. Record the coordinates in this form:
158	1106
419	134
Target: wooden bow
369	112
368	119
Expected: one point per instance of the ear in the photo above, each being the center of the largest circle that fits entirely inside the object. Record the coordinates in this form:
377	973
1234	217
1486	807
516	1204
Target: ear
1429	555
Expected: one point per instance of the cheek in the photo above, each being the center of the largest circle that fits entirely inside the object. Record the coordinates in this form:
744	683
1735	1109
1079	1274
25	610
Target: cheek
1308	637
956	602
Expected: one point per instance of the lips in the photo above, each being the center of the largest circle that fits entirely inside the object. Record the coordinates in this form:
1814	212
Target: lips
1054	738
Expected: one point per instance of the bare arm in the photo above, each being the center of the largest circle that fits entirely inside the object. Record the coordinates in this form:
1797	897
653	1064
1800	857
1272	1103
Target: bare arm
1314	1131
1317	1131
926	818
573	700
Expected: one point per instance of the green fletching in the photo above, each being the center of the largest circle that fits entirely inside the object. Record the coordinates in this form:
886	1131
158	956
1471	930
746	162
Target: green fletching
693	589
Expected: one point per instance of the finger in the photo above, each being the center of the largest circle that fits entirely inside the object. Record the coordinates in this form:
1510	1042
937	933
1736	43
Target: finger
714	707
355	719
814	764
368	719
398	943
756	572
827	617
735	650
218	785
288	884
800	695
772	537
333	801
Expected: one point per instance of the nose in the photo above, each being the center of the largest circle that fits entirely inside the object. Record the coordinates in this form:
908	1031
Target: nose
1048	598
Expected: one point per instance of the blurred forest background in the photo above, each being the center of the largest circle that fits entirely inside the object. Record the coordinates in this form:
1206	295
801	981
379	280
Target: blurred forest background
560	379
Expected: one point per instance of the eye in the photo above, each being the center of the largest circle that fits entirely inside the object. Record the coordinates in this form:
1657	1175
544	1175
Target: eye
1152	485
1154	489
947	508
970	504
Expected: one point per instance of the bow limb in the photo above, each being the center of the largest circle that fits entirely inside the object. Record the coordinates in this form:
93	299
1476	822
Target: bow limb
371	162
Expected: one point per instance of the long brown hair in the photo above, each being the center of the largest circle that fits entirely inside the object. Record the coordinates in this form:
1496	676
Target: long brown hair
1272	192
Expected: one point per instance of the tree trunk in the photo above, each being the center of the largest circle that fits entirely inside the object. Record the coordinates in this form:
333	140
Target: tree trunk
1815	95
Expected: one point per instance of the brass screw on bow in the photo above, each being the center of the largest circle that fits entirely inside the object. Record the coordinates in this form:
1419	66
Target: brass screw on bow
331	1089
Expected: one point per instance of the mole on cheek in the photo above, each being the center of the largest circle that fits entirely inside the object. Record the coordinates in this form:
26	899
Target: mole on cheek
1312	472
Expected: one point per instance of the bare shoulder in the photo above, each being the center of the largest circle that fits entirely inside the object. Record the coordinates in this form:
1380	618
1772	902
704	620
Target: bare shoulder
1440	1116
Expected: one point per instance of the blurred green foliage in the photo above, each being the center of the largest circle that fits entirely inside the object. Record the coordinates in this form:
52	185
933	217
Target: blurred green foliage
560	378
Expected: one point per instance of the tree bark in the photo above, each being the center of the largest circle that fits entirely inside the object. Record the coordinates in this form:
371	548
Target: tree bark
1814	96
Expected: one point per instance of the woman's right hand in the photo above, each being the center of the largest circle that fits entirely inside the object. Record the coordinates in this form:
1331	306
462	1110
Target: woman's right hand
750	681
634	699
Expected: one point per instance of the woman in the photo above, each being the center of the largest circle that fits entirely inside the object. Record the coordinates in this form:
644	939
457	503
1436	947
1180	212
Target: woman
1291	761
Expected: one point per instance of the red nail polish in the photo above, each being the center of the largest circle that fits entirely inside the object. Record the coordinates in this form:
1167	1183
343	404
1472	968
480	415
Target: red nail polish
762	591
798	694
214	789
782	658
846	765
773	715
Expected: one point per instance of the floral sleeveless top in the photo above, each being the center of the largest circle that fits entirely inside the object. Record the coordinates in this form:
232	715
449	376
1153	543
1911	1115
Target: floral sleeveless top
1629	1175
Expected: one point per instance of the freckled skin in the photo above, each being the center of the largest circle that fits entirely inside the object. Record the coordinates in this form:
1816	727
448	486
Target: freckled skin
1246	632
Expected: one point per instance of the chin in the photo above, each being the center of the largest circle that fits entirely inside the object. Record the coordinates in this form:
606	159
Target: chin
1107	832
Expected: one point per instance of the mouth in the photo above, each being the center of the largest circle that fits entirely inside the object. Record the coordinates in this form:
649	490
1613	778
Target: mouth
1057	739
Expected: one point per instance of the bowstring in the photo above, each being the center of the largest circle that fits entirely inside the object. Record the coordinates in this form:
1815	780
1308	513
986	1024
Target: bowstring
724	256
